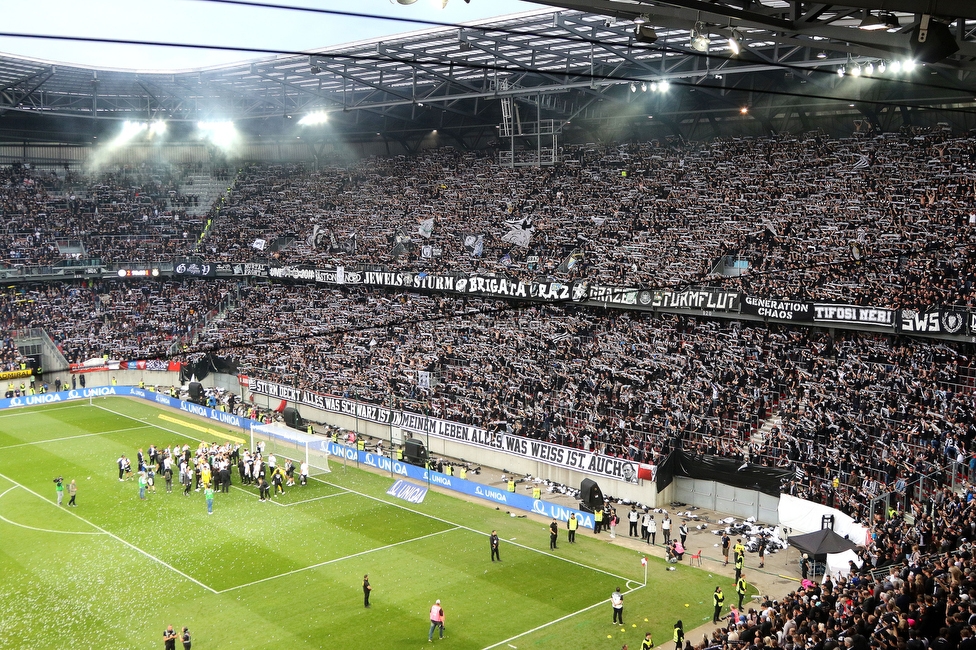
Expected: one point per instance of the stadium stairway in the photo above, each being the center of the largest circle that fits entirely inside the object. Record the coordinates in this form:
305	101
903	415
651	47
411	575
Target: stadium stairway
204	186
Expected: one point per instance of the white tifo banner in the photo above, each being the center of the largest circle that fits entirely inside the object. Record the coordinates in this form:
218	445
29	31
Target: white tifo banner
805	517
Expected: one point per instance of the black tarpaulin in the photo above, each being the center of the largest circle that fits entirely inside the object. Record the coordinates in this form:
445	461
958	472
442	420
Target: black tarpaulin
722	470
205	365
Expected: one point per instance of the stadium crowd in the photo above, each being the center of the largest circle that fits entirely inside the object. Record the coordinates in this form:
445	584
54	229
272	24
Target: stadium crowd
886	221
93	318
127	214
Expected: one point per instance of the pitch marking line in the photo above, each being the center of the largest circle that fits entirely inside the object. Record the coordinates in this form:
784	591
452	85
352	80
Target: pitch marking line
294	503
117	538
43	530
20	410
338	559
473	530
557	620
82	435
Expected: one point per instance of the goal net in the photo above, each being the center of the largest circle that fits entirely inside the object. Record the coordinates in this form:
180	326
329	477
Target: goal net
285	442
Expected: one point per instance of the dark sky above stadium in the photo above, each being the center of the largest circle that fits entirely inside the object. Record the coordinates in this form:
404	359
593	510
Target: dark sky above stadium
214	23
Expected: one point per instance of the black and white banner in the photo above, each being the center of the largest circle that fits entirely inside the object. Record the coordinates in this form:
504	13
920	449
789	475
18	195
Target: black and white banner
702	300
932	322
195	269
697	299
251	270
778	309
829	313
619	469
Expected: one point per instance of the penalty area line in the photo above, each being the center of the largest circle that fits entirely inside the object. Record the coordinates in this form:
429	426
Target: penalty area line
603	602
116	538
81	435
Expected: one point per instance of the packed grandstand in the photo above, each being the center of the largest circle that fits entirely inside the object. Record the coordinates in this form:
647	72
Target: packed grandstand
883	223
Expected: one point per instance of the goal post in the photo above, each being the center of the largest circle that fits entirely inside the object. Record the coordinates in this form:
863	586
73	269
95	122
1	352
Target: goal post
285	442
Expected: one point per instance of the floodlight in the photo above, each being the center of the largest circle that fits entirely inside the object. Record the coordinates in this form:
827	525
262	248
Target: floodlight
221	134
896	66
663	86
157	127
871	23
640	20
312	119
882	66
735	42
699	40
908	66
129	131
855	70
869	69
633	87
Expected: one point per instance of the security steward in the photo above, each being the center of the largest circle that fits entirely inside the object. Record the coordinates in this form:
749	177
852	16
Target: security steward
718	599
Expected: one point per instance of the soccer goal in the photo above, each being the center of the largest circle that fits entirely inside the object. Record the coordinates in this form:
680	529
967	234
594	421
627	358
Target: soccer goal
285	442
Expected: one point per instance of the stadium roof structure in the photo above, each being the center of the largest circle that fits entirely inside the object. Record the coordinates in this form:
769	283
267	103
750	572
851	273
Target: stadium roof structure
594	66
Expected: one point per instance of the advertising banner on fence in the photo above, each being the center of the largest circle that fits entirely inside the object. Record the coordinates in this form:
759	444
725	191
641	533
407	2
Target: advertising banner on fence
620	469
16	374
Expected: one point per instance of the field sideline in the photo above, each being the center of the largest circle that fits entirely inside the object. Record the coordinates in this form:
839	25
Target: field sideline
114	571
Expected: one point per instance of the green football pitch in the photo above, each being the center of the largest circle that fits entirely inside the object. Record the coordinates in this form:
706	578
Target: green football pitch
113	571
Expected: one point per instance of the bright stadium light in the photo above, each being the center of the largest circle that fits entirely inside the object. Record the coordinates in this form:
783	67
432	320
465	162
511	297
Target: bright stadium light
313	119
221	134
129	131
157	127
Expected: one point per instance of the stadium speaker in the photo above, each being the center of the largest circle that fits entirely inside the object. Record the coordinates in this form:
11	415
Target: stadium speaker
414	452
591	494
293	418
932	41
195	390
644	34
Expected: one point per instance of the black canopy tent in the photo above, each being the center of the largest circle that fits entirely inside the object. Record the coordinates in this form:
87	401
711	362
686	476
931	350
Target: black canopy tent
821	542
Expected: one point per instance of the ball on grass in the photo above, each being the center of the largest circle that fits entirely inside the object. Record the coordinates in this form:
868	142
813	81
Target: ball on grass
686	605
609	636
89	478
645	620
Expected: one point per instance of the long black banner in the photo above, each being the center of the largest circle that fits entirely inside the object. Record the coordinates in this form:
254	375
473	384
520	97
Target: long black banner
703	301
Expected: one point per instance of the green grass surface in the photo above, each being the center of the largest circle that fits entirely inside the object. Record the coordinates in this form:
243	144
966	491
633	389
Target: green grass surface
114	571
